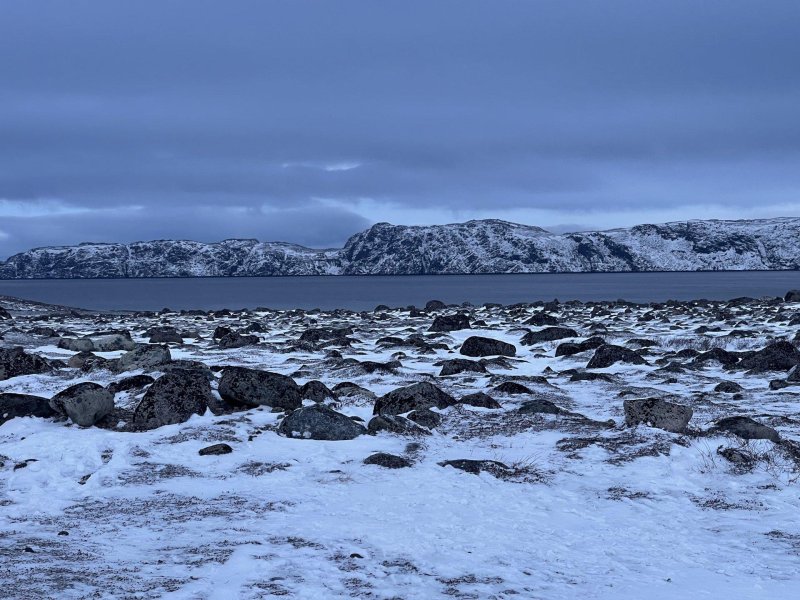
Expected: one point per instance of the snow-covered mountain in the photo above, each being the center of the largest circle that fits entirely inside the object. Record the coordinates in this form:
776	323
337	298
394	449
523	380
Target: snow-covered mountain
489	246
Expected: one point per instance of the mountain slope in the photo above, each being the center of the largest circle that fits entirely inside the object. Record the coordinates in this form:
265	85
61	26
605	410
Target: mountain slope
489	246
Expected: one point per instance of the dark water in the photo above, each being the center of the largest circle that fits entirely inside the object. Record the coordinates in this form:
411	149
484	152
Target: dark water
362	293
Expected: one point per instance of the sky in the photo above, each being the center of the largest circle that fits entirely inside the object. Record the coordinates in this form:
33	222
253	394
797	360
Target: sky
309	121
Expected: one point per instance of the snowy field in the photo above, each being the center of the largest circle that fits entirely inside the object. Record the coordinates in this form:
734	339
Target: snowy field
579	507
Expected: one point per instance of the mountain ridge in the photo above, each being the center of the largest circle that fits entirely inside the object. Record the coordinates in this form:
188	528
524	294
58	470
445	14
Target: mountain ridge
471	247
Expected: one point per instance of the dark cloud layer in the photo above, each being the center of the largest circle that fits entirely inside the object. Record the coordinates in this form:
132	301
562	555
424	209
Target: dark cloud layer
306	121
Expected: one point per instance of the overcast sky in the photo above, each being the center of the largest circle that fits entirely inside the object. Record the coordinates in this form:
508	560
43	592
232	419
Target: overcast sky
308	121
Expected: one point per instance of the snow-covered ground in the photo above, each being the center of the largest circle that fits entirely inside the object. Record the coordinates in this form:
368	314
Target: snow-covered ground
584	510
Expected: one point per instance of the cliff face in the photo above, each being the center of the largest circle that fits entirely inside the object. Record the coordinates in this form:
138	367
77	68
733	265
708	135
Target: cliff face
489	246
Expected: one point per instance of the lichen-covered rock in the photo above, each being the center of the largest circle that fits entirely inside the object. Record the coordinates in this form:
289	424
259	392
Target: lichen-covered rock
173	398
252	387
747	428
455	366
84	403
15	362
482	346
413	397
318	422
548	334
148	356
24	405
389	461
444	323
658	413
609	354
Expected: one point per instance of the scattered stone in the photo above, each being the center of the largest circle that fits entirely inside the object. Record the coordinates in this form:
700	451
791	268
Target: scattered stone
476	467
173	398
728	387
316	391
747	428
413	397
389	461
483	346
541	319
112	342
15	362
425	417
445	323
540	406
609	354
144	357
134	382
165	335
454	366
548	334
480	400
84	403
435	305
657	413
252	387
778	356
5	315
792	296
84	344
571	348
512	388
318	422
394	424
24	405
215	450
235	339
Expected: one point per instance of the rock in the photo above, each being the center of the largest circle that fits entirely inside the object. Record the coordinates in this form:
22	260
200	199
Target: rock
84	344
435	305
24	405
113	342
5	315
220	332
15	362
778	384
548	334
236	340
512	388
84	360
318	422
541	319
215	450
316	391
746	428
252	387
425	417
609	354
444	323
540	406
728	387
165	335
792	296
394	424
130	383
47	332
144	357
389	461
413	397
723	357
658	413
483	346
778	356
588	376
477	467
794	374
454	366
84	403
480	400
173	398
736	456
570	348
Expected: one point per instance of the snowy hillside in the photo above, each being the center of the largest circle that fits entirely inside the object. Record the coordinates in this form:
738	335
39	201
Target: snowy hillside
489	246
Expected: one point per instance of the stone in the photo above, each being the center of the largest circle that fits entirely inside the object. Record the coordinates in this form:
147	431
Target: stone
435	305
476	467
5	315
570	348
425	417
540	406
794	374
144	357
252	387
84	403
24	405
165	335
113	341
445	323
483	346
318	422
15	362
215	450
480	400
512	388
133	382
394	424
541	319
792	296
609	354
235	339
316	391
657	413
173	398
778	356
548	334
413	397
747	428
83	344
454	366
728	387
389	461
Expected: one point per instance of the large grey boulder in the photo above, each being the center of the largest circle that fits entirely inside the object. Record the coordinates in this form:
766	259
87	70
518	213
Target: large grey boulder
251	387
609	354
318	422
548	334
778	356
479	400
454	366
747	428
173	398
147	356
24	405
111	342
316	391
413	397
15	362
658	413
395	424
444	323
483	346
234	339
84	344
84	403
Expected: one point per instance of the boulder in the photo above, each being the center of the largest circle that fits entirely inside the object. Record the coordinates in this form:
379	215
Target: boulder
165	335
215	450
792	296
540	406
435	305
541	319
318	422
15	362
84	403
778	356
316	391
24	405
144	357
719	355
83	344
728	387
483	346
480	400
173	398
444	323
389	461
512	388
477	467
746	428
570	348
425	417
134	382
113	341
252	387
413	397
794	374
235	339
609	354
658	413
454	366
548	334
394	424
5	315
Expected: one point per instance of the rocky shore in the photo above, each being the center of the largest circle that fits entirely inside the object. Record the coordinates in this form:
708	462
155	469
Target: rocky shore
602	449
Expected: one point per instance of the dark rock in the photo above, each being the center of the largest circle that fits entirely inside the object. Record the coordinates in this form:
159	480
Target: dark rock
234	339
512	388
394	424
435	305
144	357
134	382
778	384
15	362
793	375
736	456
540	406
728	387
476	467
723	357
83	344
778	356
84	403
389	461
165	335
548	334
792	296
609	354
85	360
252	387
425	417
5	315
220	332
173	398
570	348
112	342
483	346
586	376
321	334
746	428
47	332
444	323
658	413
541	319
215	450
413	397
318	422
24	405
480	400
316	391
454	366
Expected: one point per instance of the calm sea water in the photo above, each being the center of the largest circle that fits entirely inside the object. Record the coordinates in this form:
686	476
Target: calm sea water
364	293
